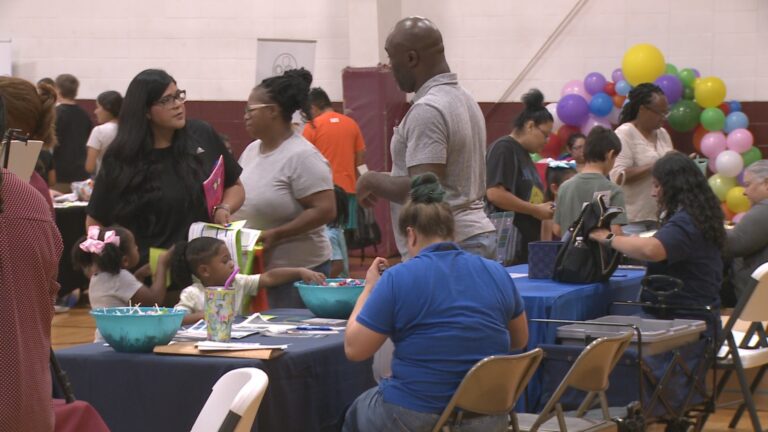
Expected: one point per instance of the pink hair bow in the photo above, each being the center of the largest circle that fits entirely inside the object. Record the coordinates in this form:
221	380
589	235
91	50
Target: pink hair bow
92	243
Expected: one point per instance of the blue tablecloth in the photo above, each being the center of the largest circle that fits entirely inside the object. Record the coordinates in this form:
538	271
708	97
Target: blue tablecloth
309	385
547	299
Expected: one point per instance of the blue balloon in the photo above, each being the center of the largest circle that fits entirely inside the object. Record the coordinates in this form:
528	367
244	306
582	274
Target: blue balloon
622	88
734	105
736	120
601	104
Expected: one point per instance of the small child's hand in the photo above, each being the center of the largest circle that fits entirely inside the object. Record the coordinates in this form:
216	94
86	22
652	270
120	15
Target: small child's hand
309	276
165	258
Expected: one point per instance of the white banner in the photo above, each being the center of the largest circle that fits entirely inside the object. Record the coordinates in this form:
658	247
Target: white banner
5	58
275	56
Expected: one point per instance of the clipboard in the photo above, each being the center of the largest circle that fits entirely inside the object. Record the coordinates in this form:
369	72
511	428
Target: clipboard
20	157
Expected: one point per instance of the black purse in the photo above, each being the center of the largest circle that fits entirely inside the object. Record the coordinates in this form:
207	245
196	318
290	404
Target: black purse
582	260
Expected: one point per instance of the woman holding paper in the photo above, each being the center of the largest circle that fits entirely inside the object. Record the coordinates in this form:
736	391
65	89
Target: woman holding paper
153	172
288	184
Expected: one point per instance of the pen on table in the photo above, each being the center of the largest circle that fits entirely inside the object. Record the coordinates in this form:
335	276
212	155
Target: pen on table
326	328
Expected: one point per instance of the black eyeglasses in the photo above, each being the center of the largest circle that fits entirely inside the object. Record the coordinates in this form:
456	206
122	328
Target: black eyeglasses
663	114
167	100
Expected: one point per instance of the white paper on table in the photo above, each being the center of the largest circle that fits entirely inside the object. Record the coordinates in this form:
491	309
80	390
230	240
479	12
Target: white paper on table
235	346
199	331
518	275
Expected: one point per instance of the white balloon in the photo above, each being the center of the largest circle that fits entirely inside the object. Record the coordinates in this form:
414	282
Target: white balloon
729	163
552	108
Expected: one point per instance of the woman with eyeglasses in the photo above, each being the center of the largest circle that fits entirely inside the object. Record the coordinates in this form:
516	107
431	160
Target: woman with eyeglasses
514	189
151	180
288	183
643	142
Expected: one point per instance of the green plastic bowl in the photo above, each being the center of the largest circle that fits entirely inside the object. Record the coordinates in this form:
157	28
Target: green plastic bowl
330	301
132	332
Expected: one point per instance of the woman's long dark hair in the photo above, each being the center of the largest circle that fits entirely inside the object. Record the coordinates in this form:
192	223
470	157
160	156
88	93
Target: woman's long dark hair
683	186
129	167
638	96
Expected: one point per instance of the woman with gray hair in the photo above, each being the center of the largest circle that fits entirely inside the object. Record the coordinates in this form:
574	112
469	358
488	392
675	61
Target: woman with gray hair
747	243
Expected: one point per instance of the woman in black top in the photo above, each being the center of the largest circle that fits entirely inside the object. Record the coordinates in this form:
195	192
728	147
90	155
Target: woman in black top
155	167
512	182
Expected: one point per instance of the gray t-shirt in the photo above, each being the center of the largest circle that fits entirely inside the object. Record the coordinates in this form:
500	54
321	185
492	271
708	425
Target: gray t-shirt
445	126
110	290
274	182
581	189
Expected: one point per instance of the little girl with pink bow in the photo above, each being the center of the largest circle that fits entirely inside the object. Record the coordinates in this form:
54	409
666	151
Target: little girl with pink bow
106	255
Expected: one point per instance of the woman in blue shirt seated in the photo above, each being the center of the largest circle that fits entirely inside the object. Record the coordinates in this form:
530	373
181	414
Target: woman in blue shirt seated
688	244
444	309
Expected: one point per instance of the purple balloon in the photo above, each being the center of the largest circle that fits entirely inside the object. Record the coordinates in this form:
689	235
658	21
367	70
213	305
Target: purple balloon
617	75
671	86
594	83
696	72
573	110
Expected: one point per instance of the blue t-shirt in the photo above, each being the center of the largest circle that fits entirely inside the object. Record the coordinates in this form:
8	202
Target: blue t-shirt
690	258
444	309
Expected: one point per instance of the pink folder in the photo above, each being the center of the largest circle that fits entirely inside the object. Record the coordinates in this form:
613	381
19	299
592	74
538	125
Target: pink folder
213	187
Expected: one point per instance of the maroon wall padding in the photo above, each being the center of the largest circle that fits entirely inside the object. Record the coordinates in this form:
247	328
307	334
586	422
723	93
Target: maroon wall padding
372	98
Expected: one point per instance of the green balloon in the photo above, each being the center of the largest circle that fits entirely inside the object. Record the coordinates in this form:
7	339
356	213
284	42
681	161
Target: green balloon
671	69
687	76
684	116
688	93
713	119
751	156
721	185
536	157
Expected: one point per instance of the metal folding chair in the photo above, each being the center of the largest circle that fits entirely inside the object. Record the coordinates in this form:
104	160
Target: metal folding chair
746	350
589	373
491	387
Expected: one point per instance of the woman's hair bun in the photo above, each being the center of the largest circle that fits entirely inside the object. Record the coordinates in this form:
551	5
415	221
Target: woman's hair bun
426	189
533	100
300	75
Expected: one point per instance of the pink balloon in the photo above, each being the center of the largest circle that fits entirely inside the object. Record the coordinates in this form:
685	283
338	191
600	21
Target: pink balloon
740	140
575	87
593	121
737	217
712	143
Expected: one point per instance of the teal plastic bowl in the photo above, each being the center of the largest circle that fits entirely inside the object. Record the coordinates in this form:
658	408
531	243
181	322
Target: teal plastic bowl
133	332
330	301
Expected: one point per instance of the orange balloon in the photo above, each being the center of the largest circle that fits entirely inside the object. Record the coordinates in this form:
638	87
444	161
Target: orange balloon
727	212
618	101
698	134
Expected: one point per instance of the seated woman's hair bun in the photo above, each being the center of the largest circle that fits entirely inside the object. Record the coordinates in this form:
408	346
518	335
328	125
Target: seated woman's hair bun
426	189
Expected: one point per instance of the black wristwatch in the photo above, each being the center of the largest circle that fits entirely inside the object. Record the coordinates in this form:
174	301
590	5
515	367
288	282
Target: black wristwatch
609	239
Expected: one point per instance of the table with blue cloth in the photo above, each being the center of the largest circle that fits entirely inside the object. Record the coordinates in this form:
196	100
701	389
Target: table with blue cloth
309	385
548	299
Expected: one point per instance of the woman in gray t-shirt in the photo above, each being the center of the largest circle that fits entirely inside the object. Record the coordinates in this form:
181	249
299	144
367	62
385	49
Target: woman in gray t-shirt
288	183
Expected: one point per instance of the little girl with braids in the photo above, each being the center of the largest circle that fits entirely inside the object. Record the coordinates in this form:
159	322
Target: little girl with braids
206	261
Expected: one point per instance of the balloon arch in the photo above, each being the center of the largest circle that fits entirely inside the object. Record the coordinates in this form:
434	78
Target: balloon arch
720	129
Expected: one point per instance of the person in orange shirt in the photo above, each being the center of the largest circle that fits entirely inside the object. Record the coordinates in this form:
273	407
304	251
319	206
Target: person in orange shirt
338	138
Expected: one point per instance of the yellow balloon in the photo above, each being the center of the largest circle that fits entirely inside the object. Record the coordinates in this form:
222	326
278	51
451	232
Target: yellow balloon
736	201
643	63
709	92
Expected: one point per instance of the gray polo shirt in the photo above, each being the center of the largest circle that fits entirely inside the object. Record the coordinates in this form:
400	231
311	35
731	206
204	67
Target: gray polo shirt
445	126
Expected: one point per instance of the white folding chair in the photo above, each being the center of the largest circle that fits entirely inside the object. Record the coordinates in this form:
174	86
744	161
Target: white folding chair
233	403
746	350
